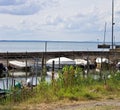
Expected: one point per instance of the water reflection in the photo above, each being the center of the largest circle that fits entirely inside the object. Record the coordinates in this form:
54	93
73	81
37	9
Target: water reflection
7	82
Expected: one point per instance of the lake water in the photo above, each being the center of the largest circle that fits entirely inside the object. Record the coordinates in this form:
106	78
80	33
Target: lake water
10	80
41	46
7	82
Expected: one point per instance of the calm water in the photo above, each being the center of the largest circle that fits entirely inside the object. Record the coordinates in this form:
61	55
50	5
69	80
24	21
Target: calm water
39	46
3	81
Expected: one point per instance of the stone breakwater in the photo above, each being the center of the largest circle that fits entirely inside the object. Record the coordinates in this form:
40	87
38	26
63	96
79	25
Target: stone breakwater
5	57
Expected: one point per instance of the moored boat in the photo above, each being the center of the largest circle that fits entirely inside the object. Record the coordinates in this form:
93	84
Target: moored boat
19	65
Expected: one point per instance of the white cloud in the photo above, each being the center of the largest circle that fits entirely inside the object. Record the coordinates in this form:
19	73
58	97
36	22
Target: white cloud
57	19
11	2
25	7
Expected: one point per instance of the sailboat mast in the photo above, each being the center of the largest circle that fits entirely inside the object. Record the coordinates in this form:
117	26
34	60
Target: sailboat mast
104	33
112	22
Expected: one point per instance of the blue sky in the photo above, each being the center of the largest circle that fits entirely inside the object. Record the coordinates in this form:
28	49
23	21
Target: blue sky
62	20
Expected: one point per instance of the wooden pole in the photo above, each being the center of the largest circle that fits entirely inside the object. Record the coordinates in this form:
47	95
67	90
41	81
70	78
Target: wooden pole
14	83
36	70
3	85
88	66
42	68
59	62
13	79
33	75
26	67
53	65
45	55
101	69
7	73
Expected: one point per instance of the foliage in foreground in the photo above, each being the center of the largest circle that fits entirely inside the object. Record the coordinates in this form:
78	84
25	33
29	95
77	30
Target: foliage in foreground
71	85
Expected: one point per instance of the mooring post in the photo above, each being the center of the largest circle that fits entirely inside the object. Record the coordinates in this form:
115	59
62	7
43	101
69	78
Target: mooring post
45	56
88	64
101	69
26	66
42	74
14	83
3	85
12	79
59	62
36	69
7	72
53	65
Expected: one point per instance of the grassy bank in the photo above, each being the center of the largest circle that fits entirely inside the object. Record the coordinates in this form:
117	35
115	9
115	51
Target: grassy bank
70	85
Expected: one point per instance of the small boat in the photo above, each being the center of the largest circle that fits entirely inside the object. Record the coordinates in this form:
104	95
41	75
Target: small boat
18	64
60	61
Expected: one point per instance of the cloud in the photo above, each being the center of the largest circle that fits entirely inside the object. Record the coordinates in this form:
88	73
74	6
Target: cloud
24	7
57	19
11	2
53	20
77	22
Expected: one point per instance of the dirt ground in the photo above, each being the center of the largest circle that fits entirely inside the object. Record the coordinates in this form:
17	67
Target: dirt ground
76	105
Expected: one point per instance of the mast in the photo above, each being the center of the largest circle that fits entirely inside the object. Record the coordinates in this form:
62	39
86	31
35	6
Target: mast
112	22
104	33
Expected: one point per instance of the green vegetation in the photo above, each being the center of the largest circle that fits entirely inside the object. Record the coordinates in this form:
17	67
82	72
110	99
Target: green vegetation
70	85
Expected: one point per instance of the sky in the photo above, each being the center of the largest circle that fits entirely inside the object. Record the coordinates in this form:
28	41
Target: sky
59	20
